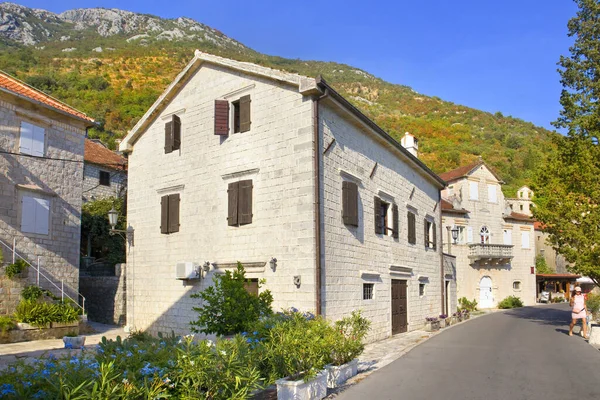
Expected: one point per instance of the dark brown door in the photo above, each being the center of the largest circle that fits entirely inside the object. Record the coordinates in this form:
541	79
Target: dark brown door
399	308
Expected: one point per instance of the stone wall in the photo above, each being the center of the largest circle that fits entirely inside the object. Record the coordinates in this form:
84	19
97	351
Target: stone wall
58	181
10	292
93	190
105	296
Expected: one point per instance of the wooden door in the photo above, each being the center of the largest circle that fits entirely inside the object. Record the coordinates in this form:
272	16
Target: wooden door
399	307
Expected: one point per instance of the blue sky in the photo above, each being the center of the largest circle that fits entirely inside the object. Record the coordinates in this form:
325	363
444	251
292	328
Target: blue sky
490	55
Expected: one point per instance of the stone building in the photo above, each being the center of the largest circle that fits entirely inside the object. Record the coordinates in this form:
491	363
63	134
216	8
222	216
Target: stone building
104	172
238	162
41	162
495	249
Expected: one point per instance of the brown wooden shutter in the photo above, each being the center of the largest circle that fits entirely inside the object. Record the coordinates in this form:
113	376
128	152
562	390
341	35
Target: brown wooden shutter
434	239
176	127
412	232
164	214
232	204
221	117
425	233
173	213
251	286
245	202
396	222
350	203
378	223
245	113
168	137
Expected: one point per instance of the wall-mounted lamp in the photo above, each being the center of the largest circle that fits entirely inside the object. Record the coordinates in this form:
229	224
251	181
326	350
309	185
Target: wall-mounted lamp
454	231
206	266
273	263
113	217
297	280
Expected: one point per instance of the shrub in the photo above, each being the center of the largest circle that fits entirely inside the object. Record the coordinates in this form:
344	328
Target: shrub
15	268
465	304
593	303
510	302
6	323
227	307
32	292
346	340
42	314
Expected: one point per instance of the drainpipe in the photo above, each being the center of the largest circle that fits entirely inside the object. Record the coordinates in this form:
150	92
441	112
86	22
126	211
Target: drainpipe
317	194
441	251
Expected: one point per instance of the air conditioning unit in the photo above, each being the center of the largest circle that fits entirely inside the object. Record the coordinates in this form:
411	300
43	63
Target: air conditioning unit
187	270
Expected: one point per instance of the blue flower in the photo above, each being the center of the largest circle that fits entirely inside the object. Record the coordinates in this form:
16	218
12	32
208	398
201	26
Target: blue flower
40	395
248	340
255	333
244	333
129	354
141	351
7	389
68	345
74	361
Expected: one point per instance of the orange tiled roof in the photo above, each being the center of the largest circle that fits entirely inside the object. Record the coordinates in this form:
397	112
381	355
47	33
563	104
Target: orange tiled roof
520	217
538	226
465	170
96	153
22	89
449	207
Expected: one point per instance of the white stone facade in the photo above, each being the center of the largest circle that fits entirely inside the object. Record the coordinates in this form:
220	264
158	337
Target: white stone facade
509	276
93	190
277	154
57	182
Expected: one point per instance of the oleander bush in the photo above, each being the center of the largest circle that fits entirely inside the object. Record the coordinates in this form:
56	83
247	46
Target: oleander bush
593	304
465	304
347	340
510	302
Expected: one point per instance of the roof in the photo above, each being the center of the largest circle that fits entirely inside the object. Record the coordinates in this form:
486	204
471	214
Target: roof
16	87
466	170
97	153
519	217
538	226
449	207
306	86
558	276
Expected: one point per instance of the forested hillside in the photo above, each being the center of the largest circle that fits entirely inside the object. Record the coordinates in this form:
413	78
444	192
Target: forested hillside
113	64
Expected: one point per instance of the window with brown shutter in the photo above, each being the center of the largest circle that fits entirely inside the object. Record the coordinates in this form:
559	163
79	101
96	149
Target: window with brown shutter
104	178
169	213
379	218
433	236
350	203
244	119
412	231
426	232
169	137
176	128
239	207
396	222
221	117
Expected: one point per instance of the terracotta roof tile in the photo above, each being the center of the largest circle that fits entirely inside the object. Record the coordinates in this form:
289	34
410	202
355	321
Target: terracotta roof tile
538	226
460	171
22	89
449	207
96	153
519	217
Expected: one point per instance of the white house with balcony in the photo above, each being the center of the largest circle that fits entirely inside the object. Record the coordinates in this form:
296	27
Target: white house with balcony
494	246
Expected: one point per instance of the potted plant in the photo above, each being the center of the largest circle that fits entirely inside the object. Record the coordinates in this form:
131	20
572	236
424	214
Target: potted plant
432	324
466	315
458	316
73	341
444	320
296	349
346	343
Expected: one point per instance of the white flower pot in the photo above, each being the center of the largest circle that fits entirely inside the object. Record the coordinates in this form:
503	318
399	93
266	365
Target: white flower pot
314	389
75	342
337	375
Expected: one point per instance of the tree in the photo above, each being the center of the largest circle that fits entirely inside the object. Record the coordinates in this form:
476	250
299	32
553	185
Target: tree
568	186
95	230
541	266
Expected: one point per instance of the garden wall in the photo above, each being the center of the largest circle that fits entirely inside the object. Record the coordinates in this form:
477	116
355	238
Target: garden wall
26	332
105	296
10	292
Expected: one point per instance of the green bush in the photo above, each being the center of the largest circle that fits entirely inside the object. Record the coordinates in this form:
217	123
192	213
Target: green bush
32	292
593	303
6	323
15	268
465	304
227	307
42	314
346	341
510	302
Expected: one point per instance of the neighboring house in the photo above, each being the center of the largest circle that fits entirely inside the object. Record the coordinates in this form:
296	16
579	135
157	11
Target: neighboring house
104	172
238	162
41	162
495	253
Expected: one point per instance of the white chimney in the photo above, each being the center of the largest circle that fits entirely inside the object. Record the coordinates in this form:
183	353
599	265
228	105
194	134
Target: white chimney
410	143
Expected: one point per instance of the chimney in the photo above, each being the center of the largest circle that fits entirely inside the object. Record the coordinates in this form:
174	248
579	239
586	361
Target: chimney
410	143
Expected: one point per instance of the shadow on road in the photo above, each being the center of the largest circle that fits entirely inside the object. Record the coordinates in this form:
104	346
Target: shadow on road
553	315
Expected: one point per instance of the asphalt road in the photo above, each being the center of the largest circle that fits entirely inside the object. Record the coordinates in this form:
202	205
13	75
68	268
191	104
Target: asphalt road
518	354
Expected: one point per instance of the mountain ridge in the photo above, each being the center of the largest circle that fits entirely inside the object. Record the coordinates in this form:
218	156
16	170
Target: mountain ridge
113	64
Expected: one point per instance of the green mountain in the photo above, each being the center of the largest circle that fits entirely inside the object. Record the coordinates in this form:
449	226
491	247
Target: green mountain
113	64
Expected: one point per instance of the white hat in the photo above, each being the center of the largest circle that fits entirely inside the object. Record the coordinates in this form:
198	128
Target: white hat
578	288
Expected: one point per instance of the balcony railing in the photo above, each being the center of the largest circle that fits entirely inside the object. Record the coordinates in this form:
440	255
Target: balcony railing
490	252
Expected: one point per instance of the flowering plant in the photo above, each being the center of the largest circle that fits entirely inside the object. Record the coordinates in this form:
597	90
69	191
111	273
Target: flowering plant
431	319
443	316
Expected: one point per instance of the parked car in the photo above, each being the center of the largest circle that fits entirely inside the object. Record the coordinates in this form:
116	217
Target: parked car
545	297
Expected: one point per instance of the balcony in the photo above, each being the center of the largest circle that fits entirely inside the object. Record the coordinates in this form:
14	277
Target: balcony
490	253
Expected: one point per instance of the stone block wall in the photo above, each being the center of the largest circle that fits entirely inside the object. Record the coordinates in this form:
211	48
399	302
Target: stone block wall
93	190
10	292
106	297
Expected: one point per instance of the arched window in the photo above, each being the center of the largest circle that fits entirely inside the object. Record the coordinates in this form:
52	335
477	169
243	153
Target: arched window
484	234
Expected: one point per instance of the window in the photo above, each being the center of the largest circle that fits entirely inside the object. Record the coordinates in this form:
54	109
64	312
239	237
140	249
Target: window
32	139
35	215
350	203
450	190
412	231
421	289
473	191
386	222
430	234
241	114
173	134
492	197
484	235
469	234
236	116
221	117
525	240
521	207
517	285
169	213
507	235
251	286
368	291
104	178
461	235
239	203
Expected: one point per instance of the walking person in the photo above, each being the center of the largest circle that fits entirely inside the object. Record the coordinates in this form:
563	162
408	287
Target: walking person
578	311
